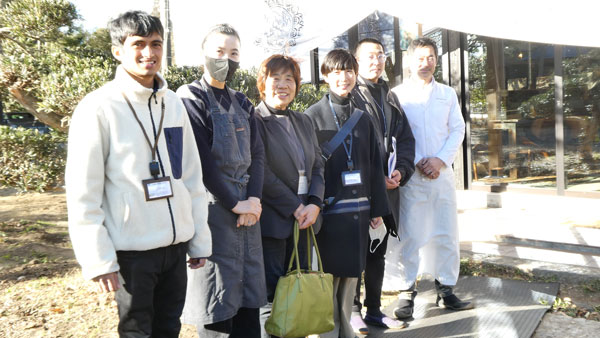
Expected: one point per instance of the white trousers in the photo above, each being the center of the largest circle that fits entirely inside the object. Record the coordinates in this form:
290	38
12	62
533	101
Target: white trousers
428	233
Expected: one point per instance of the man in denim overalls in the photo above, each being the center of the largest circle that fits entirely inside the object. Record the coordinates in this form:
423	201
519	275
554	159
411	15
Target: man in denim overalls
224	300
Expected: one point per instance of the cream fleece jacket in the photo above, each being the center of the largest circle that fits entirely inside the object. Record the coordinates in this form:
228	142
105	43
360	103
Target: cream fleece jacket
108	158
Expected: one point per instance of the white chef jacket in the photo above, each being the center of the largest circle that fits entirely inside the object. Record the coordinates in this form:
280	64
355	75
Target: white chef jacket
428	229
435	119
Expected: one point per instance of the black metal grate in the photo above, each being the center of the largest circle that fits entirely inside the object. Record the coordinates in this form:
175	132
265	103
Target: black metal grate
503	309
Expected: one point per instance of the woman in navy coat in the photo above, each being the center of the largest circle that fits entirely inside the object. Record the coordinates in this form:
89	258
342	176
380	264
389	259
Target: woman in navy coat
355	194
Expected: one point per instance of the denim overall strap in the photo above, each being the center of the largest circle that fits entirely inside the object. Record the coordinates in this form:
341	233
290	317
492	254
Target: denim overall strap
231	135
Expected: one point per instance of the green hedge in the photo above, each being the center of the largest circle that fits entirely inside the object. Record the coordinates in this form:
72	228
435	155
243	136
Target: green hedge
307	96
30	160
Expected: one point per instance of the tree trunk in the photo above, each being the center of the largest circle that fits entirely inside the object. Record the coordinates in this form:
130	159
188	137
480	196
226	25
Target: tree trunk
30	103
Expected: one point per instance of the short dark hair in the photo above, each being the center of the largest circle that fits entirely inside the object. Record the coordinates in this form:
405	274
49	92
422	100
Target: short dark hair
339	59
422	42
134	23
368	40
222	28
275	63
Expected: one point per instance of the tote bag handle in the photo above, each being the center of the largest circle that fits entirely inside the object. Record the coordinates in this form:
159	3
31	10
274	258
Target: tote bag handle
310	233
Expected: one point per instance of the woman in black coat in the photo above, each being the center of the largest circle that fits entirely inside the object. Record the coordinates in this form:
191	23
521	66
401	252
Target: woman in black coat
293	181
355	193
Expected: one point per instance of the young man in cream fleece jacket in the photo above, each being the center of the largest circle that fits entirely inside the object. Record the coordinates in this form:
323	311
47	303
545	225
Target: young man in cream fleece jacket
135	195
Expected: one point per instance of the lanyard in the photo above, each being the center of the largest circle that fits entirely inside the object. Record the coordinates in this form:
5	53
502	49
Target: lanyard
347	148
364	96
381	93
153	164
382	113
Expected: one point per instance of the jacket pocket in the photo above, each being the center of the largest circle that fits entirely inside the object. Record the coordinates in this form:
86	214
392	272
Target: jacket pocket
225	143
174	138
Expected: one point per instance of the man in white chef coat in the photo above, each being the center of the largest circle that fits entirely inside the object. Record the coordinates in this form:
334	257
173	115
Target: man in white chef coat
428	222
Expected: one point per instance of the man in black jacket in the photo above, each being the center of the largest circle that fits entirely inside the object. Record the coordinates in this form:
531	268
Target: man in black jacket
397	145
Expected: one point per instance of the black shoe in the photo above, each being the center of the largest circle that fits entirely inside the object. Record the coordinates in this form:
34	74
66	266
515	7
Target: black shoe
377	318
454	303
405	309
451	302
406	303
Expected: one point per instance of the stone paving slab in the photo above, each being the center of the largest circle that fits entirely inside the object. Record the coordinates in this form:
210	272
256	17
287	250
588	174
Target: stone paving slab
559	325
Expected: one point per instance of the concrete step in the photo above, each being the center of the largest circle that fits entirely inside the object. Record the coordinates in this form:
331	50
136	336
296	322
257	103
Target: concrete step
542	262
543	244
533	253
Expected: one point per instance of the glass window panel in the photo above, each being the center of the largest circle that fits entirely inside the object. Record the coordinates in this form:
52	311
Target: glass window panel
340	41
581	83
512	111
304	63
379	26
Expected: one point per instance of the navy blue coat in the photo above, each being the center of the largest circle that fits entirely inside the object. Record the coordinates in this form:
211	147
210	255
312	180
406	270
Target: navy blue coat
344	235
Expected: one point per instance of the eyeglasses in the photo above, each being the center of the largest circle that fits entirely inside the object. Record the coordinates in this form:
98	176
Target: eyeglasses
378	57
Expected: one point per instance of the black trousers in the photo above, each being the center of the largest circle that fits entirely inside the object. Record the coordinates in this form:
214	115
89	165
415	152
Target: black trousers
152	295
276	255
374	270
245	324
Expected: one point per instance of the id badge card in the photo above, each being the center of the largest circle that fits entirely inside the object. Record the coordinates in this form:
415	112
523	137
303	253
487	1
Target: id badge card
351	178
302	183
156	189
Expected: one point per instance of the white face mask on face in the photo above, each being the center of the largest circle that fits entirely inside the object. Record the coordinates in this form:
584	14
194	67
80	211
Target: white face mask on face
376	237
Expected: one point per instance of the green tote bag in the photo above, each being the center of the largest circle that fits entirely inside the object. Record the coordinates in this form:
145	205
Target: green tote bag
303	302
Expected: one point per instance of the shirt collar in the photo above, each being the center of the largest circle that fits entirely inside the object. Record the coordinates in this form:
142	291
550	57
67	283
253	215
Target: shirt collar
134	90
335	98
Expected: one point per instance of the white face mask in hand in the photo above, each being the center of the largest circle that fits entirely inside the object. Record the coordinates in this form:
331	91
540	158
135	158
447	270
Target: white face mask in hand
376	237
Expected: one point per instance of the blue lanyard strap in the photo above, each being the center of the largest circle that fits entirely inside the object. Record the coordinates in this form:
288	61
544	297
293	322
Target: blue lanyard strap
347	148
335	118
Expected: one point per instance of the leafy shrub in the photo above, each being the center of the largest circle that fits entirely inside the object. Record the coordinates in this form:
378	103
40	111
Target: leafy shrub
179	76
47	62
307	96
30	160
70	77
245	82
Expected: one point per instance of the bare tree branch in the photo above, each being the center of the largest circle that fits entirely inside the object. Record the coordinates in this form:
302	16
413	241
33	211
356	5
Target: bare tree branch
4	35
30	103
